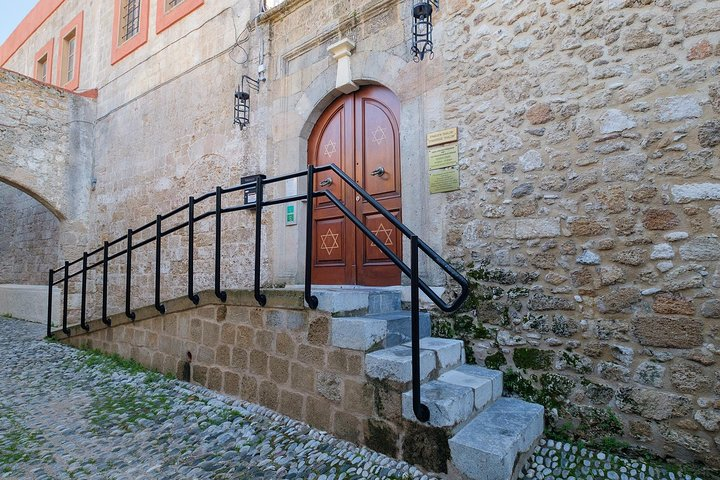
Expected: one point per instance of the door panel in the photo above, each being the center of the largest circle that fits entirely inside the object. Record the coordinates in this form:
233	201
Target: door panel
379	144
359	133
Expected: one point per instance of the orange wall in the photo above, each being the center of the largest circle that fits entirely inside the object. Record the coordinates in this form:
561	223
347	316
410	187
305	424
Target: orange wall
27	27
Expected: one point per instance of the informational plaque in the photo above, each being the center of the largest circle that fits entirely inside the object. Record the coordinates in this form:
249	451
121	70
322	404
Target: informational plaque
444	136
445	180
444	156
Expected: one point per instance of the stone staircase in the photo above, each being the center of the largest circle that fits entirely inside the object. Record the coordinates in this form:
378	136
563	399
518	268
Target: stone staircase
489	436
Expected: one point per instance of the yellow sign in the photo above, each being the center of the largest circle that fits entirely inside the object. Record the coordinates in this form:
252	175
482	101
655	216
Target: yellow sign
443	157
441	137
446	180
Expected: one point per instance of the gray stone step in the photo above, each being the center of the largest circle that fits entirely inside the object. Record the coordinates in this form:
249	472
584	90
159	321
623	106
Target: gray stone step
395	364
436	355
376	331
492	445
449	404
357	300
482	388
449	353
482	373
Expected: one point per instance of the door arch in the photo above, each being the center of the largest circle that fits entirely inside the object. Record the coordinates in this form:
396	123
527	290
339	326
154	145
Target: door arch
360	133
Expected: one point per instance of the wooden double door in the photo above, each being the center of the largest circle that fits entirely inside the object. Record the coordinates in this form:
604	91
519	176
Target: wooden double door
360	134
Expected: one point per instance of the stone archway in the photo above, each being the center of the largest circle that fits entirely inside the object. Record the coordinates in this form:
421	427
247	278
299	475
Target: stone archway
46	144
405	80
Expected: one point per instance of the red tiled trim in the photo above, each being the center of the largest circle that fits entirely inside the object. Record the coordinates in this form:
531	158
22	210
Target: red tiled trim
29	25
167	19
48	50
77	25
122	50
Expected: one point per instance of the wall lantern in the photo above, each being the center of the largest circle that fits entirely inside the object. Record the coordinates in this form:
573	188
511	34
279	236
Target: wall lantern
422	28
242	101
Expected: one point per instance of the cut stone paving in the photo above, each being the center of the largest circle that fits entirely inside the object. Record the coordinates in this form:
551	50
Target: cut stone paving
66	413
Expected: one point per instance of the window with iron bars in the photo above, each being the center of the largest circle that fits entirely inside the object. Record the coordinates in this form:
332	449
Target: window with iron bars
170	4
130	19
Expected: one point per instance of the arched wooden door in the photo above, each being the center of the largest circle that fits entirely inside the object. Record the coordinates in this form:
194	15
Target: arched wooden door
359	133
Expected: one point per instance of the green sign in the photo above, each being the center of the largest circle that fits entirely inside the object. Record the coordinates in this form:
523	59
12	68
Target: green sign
290	215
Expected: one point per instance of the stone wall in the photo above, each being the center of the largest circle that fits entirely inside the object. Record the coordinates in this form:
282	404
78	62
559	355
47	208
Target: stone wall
46	140
589	210
29	235
279	357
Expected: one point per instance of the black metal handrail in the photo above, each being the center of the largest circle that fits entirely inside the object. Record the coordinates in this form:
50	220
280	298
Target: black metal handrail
412	271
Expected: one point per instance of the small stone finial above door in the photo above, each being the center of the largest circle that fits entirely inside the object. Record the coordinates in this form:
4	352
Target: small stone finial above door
342	51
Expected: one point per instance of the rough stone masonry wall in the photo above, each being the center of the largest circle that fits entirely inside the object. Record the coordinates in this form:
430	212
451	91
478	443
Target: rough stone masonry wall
279	357
28	238
590	208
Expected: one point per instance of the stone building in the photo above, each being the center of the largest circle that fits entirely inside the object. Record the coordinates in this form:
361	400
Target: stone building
588	205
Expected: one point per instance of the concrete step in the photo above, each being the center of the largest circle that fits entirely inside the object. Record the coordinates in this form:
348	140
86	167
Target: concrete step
357	300
493	445
375	331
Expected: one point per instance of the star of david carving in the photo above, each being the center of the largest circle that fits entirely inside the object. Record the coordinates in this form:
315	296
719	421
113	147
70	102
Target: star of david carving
329	236
330	148
379	135
386	232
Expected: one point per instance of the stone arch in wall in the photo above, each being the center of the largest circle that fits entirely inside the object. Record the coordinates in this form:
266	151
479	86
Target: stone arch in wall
404	78
29	237
51	204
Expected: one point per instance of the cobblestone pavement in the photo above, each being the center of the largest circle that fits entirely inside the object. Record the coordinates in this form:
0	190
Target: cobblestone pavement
556	460
69	414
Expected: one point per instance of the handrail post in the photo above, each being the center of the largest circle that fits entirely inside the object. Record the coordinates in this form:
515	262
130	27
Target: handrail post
51	277
158	251
311	299
128	275
259	297
83	293
65	328
105	318
191	251
421	411
218	236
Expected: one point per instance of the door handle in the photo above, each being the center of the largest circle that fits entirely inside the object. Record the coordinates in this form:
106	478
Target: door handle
327	182
378	172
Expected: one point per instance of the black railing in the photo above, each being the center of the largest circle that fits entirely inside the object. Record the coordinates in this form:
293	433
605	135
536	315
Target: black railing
412	271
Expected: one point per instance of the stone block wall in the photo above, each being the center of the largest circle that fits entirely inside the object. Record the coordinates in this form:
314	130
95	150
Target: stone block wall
589	209
279	357
29	235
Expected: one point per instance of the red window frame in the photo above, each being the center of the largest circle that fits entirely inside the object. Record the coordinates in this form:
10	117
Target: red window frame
77	25
122	50
165	19
48	50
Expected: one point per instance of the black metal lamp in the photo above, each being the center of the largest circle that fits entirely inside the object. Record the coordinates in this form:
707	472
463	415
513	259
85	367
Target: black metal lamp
422	28
242	101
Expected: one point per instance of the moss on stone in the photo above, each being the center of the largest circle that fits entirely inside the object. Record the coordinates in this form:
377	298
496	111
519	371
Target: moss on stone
427	447
382	437
533	358
495	361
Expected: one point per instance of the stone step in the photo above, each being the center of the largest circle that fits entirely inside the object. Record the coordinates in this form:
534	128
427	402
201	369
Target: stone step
395	363
449	404
493	445
481	374
375	331
357	300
